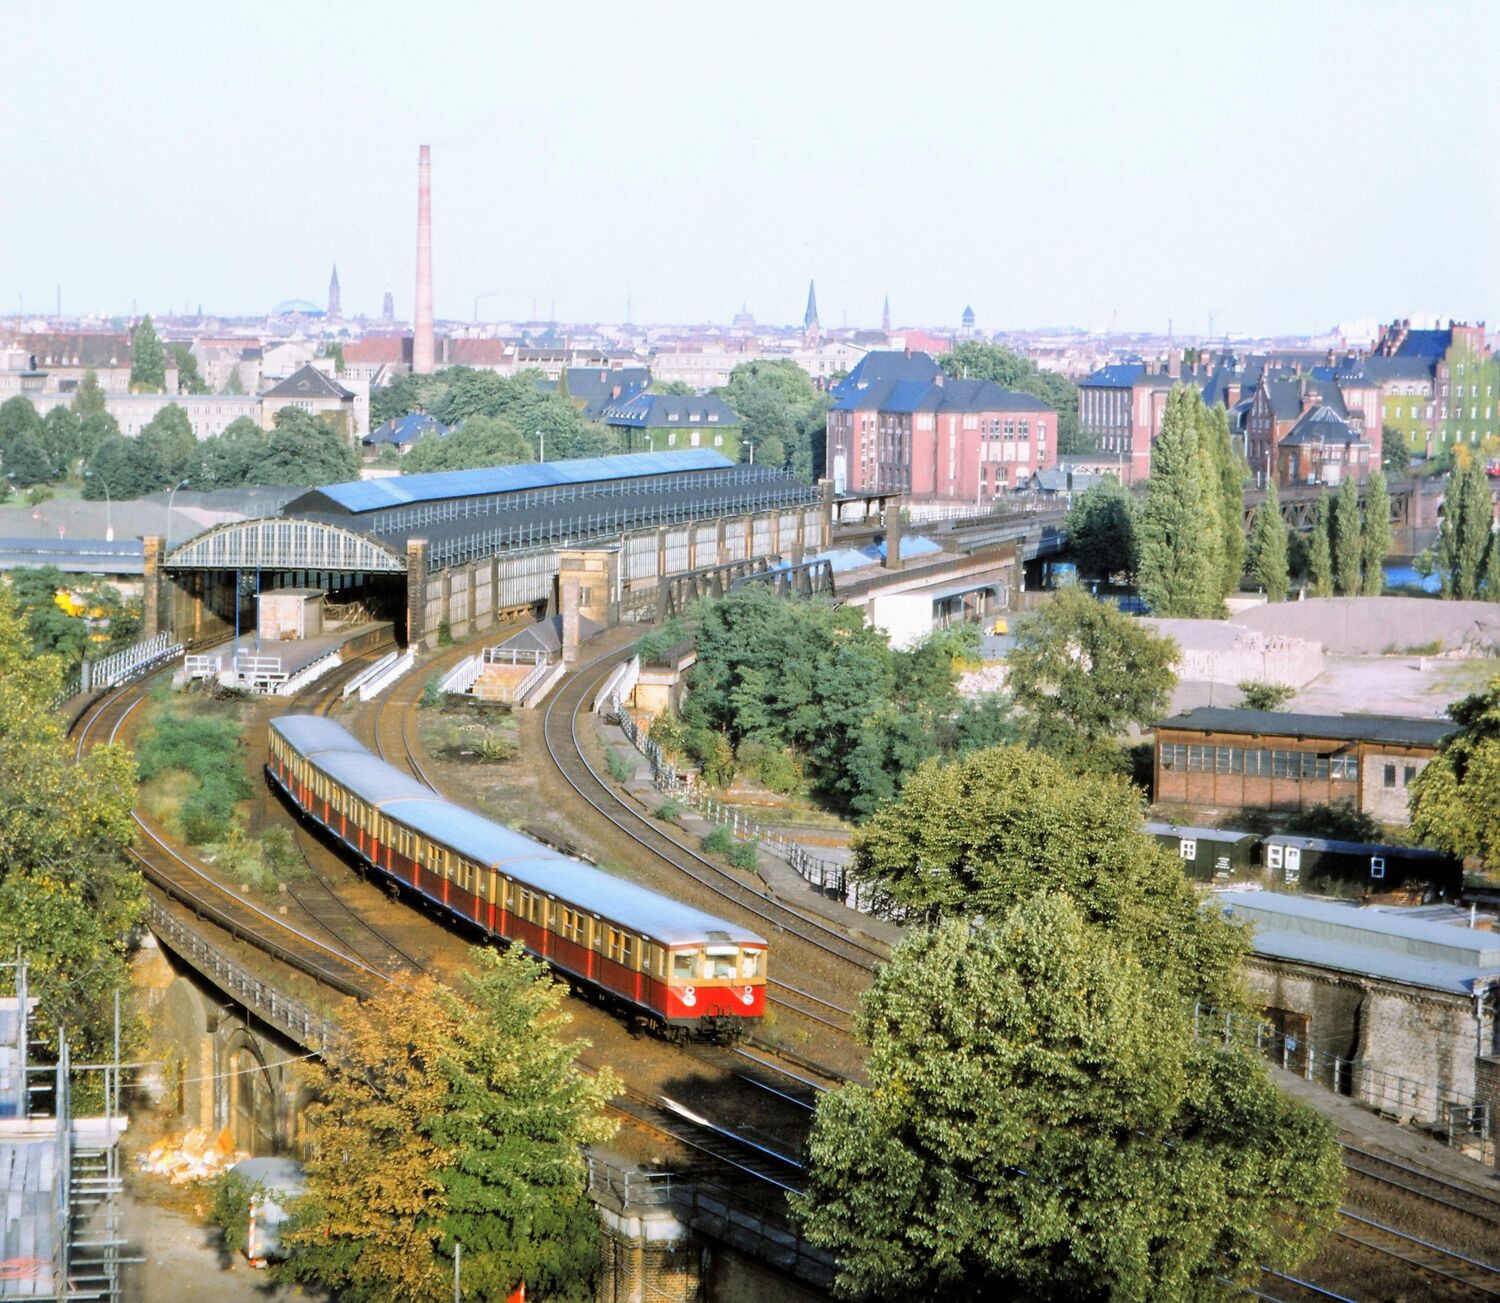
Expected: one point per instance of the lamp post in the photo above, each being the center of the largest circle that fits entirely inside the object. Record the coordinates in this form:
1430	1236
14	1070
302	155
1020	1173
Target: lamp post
541	439
109	506
745	443
181	484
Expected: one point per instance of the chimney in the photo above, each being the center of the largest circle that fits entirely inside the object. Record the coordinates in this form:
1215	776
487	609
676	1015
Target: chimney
1309	396
421	350
1174	364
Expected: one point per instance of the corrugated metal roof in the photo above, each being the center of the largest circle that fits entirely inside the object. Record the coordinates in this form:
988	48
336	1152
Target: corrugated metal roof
400	490
1160	828
335	750
1395	729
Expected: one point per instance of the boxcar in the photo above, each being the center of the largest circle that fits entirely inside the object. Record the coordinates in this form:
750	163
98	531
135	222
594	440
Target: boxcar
666	962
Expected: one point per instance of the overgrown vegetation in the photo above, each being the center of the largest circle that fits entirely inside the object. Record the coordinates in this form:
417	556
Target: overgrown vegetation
73	617
1455	803
230	1209
656	645
620	769
1258	695
194	762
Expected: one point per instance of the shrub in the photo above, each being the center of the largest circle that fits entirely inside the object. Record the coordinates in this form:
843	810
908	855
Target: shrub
492	750
445	634
620	769
719	842
771	766
745	855
280	856
38	494
653	648
668	810
1256	695
669	733
432	694
230	1211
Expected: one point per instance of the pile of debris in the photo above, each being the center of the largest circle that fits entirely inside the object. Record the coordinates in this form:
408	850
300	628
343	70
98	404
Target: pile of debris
193	1156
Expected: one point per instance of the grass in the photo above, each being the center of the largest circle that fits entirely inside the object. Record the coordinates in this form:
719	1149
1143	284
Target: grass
485	742
1433	648
620	769
192	757
669	810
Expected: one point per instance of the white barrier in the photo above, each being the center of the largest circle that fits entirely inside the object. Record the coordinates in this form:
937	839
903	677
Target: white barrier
307	674
461	677
365	675
620	683
375	686
535	686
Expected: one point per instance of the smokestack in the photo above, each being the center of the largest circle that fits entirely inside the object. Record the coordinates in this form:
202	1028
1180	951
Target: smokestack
421	348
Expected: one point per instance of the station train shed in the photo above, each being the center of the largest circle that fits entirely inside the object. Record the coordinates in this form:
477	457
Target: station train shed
458	551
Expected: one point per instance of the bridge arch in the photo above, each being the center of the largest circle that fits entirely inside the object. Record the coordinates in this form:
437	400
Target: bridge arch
285	544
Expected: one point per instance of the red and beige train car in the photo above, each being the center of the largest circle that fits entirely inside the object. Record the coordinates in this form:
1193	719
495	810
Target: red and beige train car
665	961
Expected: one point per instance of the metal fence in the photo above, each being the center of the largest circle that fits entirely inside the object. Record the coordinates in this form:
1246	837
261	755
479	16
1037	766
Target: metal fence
828	876
116	668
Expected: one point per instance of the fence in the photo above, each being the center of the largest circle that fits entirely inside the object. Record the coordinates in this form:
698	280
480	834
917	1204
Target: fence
377	684
365	675
314	670
461	677
1462	1120
827	876
114	669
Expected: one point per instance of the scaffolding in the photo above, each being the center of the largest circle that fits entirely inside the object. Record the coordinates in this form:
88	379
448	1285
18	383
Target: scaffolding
60	1232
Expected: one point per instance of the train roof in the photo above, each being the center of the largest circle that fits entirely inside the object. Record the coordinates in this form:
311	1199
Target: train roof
400	797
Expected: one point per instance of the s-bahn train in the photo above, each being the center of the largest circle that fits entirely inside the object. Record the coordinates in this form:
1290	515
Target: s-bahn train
672	966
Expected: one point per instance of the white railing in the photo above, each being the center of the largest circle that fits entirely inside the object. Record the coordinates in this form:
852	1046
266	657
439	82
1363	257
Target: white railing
204	665
827	876
365	675
308	673
121	665
375	686
514	656
461	677
619	685
537	673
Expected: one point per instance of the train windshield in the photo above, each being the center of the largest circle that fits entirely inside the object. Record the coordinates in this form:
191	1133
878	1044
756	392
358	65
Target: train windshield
750	963
685	964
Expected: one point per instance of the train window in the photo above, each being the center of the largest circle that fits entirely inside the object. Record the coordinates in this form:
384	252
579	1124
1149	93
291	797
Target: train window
572	925
685	964
721	966
749	963
627	950
661	960
596	933
612	944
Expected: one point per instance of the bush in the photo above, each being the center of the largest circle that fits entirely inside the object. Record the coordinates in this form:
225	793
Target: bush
653	648
668	810
719	842
620	769
38	494
230	1211
771	766
669	733
745	855
1256	695
432	694
445	634
279	854
492	750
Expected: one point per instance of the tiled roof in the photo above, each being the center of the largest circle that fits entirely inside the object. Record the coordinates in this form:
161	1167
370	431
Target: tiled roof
1323	425
1430	344
889	365
378	350
1119	376
596	386
476	352
308	382
406	429
672	412
1396	729
76	349
906	396
1285	394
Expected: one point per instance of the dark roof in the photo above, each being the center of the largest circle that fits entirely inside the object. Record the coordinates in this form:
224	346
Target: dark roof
672	412
1285	393
1323	425
1119	376
406	429
598	387
905	396
1395	729
1430	344
1383	370
76	348
308	382
886	365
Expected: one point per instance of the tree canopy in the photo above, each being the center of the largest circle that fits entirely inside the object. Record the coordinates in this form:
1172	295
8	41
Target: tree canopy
1465	530
785	415
453	1116
89	396
1182	558
1455	802
479	441
148	360
1081	671
1320	547
169	438
1102	529
1039	1123
974	359
1268	555
61	633
122	468
1377	533
1348	540
189	380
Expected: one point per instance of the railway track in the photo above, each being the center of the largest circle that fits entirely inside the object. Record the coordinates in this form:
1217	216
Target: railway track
1446	1194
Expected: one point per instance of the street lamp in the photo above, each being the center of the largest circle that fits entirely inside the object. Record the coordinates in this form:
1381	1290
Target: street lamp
541	439
181	484
109	506
745	443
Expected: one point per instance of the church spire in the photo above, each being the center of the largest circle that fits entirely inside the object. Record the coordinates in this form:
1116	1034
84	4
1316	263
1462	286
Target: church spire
335	304
885	316
810	317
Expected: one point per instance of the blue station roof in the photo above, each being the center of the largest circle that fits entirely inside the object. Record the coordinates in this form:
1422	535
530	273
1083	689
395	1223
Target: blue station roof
335	751
357	496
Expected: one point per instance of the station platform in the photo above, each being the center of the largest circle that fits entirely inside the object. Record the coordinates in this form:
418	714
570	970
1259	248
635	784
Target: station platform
257	664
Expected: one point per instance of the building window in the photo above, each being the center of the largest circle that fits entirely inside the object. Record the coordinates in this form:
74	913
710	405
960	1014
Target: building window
1390	776
1410	776
1187	848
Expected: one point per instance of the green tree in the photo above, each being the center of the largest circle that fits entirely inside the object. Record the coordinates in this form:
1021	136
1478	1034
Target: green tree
1081	671
1256	694
1268	547
1377	538
1228	476
61	437
1465	530
1181	549
453	1116
168	437
231	460
235	383
1395	454
1320	548
122	468
69	896
479	441
975	360
679	388
1348	539
305	449
1039	1123
1491	586
189	381
148	361
1455	802
335	350
785	415
93	429
1102	530
25	462
89	398
18	417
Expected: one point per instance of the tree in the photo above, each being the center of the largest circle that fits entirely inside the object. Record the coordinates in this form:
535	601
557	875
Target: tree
89	398
18	417
1455	802
1395	454
1102	530
678	388
1465	530
1348	539
453	1115
148	362
975	360
305	449
1491	587
235	383
1181	552
122	468
1377	539
93	429
1268	559
1255	694
61	438
479	441
168	437
69	896
335	350
785	415
1228	475
1081	671
1039	1123
25	461
1320	549
189	380
232	459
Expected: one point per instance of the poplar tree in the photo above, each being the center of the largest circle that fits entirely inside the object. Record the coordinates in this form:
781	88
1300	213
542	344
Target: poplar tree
89	397
1348	541
1491	592
1377	540
1465	530
1320	550
1229	478
1181	548
1268	547
148	360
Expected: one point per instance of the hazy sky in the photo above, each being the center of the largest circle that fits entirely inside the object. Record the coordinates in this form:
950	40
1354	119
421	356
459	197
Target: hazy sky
1282	165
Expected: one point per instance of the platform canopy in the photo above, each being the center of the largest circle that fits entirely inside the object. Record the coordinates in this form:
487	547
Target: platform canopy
285	544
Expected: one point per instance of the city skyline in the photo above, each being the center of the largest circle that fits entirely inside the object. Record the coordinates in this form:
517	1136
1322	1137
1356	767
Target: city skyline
1076	185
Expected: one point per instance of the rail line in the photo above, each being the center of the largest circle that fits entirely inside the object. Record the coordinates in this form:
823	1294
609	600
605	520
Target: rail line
1479	1278
1423	1185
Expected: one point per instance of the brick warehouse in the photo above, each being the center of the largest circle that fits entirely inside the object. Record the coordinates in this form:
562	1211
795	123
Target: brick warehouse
1237	759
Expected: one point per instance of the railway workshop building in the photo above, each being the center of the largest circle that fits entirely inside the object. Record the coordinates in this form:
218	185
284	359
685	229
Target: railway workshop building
459	551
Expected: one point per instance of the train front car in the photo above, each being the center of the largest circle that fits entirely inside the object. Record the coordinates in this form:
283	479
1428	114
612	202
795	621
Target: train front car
715	982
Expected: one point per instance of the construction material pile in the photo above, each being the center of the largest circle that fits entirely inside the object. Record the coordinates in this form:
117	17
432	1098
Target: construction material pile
194	1156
